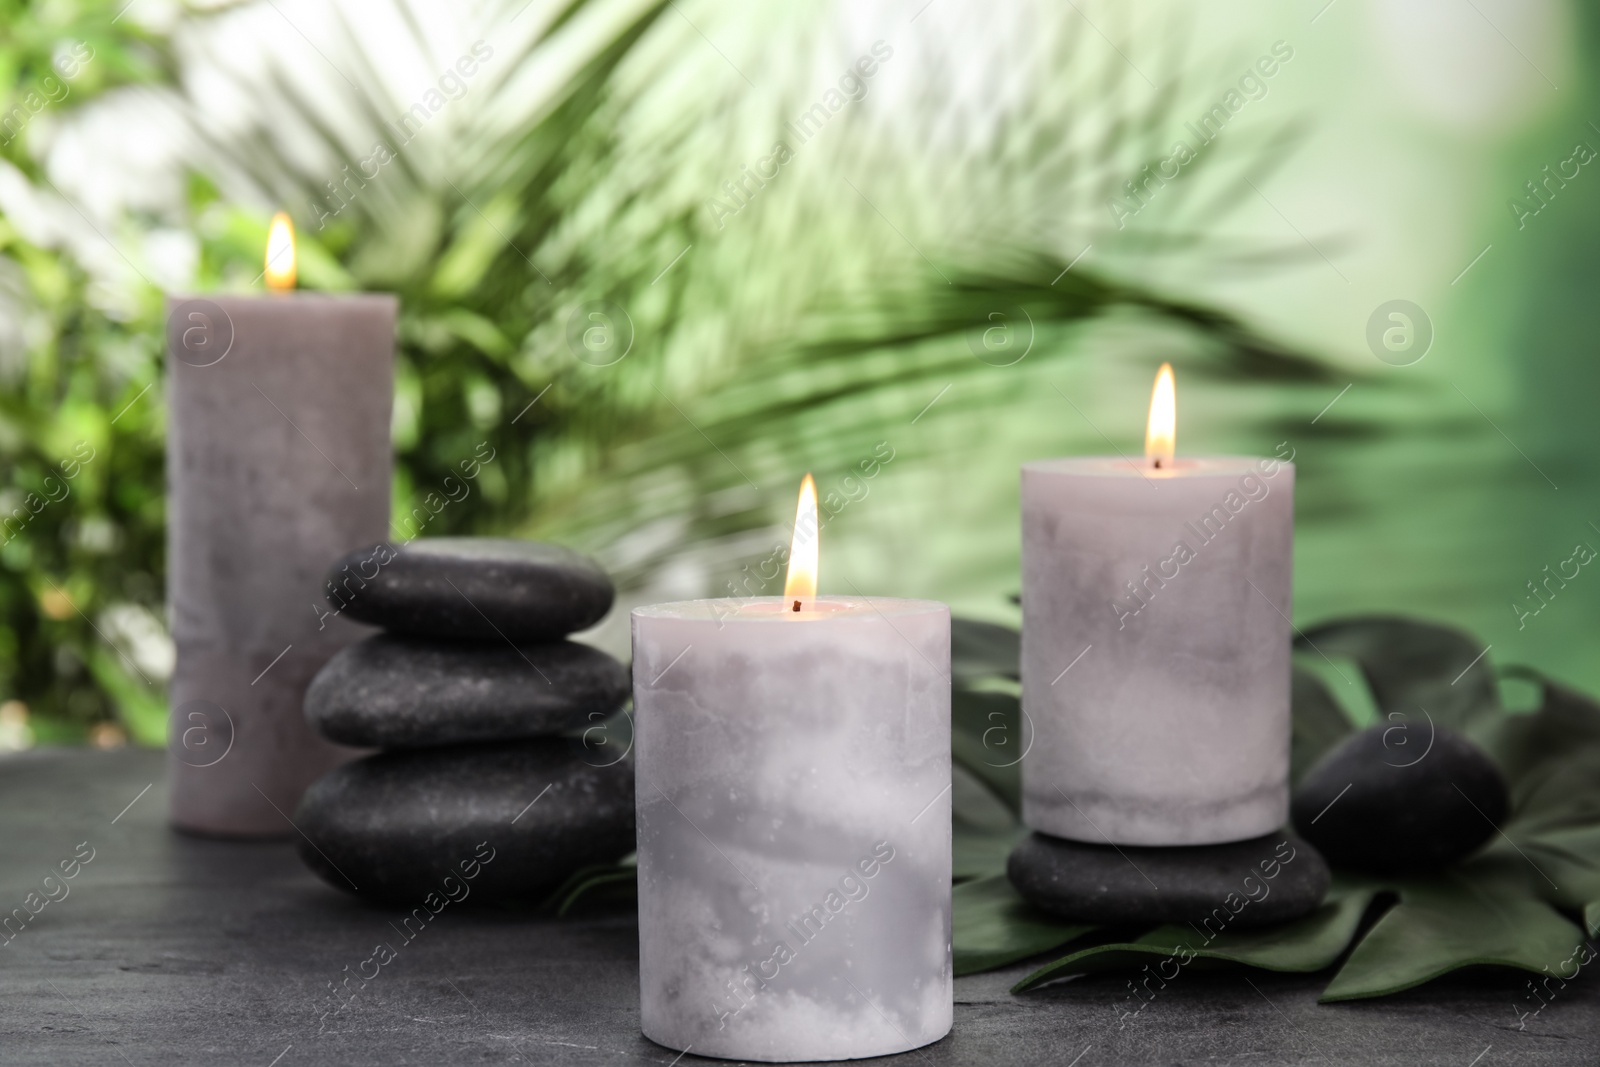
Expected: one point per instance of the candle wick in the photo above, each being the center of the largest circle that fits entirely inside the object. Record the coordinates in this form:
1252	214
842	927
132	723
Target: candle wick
1157	462
797	605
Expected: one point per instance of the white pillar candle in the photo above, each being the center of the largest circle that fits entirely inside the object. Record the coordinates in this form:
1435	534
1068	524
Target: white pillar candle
278	463
793	784
1155	647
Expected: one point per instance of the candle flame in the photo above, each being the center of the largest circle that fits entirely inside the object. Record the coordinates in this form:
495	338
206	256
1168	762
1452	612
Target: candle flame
801	583
280	273
1161	431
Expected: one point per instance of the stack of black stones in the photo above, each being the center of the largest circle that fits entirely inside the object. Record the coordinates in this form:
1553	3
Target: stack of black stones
486	718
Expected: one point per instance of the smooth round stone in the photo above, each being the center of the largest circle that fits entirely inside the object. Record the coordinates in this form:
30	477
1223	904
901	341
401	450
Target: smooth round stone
1400	800
394	691
472	589
1234	886
396	825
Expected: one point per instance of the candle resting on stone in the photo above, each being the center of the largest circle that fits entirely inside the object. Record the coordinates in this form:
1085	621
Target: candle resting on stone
1155	647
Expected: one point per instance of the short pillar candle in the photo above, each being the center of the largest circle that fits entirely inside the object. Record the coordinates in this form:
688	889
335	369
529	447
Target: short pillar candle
793	792
1155	648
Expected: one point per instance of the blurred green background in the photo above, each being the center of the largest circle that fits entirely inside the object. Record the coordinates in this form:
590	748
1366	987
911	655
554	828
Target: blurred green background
944	265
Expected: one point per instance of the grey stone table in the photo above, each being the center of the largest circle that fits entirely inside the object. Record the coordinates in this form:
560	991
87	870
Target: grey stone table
173	950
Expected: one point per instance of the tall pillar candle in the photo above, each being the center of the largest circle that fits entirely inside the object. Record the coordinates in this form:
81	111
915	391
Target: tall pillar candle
793	792
278	463
1155	648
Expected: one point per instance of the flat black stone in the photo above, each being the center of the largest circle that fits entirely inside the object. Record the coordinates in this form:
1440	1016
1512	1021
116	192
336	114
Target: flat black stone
395	825
177	949
472	589
1400	799
1238	885
395	691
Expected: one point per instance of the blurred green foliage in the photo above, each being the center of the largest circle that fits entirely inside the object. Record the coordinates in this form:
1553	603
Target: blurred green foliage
500	274
81	503
841	307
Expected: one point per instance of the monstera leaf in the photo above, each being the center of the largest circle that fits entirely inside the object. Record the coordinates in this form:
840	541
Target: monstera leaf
1524	900
1308	944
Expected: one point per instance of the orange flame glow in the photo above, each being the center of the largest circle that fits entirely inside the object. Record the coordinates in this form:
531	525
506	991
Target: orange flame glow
1161	431
280	273
801	584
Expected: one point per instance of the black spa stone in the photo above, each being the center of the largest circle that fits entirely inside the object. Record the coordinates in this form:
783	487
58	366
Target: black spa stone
1400	800
394	691
1235	886
471	589
506	821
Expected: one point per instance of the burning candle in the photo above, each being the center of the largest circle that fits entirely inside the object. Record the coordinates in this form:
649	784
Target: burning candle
793	785
278	462
1155	642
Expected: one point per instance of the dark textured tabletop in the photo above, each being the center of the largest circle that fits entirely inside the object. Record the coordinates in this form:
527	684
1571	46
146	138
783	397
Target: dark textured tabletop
168	949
